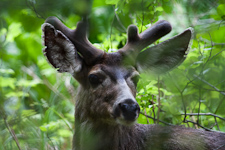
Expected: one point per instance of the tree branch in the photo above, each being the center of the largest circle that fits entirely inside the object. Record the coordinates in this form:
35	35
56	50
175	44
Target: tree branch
166	123
11	131
159	102
218	90
204	114
207	129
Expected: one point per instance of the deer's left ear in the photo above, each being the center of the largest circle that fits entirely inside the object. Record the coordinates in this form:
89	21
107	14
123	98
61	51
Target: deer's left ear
60	51
166	55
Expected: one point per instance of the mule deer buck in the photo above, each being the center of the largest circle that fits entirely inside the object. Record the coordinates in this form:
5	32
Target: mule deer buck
106	109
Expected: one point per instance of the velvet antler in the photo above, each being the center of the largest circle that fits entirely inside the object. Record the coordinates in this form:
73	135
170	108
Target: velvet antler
136	42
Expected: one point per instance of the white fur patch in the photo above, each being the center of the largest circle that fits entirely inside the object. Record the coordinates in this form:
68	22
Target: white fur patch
124	92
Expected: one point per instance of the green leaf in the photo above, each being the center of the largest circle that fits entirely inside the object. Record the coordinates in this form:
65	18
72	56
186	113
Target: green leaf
112	2
216	35
7	82
27	113
166	92
17	94
13	31
220	10
7	71
53	125
43	128
159	8
28	83
64	133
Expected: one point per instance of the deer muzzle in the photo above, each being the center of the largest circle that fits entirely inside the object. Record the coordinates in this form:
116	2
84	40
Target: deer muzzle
126	112
129	109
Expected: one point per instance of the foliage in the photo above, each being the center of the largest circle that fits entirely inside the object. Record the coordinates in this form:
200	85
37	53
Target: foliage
37	103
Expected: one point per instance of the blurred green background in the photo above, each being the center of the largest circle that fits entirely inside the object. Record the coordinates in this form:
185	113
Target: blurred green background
37	103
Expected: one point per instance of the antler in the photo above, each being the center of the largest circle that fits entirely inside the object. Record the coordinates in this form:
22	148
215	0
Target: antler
79	37
136	42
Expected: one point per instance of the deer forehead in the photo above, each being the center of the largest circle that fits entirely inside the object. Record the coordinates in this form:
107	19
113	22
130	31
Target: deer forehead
116	73
113	65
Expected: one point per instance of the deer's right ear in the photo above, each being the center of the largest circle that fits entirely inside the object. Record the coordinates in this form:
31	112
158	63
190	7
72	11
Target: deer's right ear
166	55
60	51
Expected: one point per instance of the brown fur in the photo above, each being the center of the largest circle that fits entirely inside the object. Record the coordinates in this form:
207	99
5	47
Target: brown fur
96	129
105	112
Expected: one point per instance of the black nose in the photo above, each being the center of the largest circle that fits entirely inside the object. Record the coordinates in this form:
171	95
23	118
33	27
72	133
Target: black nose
130	109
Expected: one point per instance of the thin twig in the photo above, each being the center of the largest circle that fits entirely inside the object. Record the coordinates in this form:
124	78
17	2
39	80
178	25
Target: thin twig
143	15
199	106
11	131
193	119
204	114
217	54
220	103
63	118
110	35
218	90
153	108
210	54
32	7
119	21
181	93
184	106
217	124
51	141
207	129
159	103
166	123
215	44
146	117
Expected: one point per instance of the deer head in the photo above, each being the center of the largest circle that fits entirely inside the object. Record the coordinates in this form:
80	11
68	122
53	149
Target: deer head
108	80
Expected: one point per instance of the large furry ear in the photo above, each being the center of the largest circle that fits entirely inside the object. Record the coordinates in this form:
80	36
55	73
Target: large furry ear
166	55
60	51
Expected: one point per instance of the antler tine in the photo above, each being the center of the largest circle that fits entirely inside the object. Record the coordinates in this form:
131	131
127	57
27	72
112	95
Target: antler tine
79	38
136	42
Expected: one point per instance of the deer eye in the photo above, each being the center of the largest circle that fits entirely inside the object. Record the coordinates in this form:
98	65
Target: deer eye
94	79
135	79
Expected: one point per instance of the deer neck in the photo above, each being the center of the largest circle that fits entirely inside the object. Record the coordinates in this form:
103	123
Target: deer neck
114	135
102	136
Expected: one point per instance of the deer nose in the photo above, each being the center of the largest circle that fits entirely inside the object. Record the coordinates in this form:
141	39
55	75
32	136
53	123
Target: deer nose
130	109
